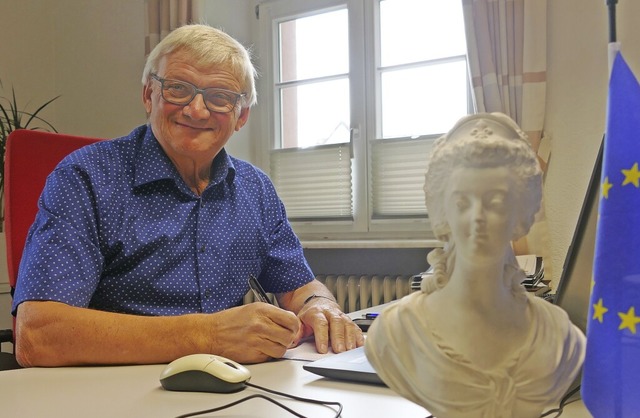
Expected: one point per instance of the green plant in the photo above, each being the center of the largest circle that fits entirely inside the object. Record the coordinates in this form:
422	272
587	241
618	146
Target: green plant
12	118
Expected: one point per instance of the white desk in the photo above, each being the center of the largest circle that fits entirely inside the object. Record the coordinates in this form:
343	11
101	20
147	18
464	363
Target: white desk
135	391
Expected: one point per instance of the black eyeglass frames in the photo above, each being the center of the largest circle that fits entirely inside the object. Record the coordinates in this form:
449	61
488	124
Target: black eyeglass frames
181	93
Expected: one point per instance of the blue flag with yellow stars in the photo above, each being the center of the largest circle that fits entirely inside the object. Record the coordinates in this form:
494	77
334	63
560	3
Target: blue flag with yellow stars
611	375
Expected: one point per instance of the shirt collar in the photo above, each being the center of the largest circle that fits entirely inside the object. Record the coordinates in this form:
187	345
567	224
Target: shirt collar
152	164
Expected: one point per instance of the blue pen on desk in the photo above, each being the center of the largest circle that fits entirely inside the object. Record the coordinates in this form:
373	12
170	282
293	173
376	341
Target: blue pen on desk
371	315
258	291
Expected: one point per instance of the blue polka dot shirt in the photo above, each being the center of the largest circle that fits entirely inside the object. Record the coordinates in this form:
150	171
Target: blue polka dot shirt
119	230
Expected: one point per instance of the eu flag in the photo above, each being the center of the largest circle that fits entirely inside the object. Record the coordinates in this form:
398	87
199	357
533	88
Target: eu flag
611	376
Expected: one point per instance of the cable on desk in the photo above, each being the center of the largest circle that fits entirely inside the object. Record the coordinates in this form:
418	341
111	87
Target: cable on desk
281	405
563	402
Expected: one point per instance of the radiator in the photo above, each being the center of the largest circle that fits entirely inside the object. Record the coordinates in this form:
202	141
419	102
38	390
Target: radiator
355	292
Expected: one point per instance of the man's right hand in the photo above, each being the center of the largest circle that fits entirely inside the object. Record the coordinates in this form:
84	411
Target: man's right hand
254	333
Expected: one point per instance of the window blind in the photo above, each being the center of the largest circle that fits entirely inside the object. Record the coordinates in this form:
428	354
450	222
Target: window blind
314	183
397	172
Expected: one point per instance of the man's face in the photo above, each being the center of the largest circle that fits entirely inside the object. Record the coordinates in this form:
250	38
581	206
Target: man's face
191	132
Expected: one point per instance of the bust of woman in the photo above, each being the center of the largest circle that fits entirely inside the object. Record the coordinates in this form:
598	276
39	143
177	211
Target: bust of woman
473	342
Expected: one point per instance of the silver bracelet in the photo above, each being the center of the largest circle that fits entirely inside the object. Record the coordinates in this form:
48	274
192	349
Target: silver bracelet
313	296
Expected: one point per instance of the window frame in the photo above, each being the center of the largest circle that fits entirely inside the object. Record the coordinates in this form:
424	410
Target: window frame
364	85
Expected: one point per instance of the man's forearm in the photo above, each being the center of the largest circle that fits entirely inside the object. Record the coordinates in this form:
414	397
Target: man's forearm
55	334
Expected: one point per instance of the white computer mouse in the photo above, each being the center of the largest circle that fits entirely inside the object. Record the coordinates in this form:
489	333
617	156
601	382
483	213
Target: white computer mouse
204	373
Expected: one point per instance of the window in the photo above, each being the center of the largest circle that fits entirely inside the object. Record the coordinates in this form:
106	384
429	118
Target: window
356	94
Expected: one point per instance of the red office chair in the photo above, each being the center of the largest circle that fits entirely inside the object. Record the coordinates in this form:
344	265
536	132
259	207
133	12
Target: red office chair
30	157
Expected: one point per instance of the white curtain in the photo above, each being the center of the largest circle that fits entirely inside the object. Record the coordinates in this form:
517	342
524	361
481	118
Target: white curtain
507	50
163	16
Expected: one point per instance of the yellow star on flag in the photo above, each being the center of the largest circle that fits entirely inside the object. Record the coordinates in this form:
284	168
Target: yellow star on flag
632	175
606	186
599	310
629	320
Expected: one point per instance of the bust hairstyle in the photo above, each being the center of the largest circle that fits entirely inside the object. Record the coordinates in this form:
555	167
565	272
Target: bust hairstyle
483	140
209	47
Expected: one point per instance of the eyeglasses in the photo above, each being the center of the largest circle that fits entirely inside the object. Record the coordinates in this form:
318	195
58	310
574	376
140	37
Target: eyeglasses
182	93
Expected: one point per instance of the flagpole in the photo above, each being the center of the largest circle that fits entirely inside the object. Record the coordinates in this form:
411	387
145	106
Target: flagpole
614	45
611	5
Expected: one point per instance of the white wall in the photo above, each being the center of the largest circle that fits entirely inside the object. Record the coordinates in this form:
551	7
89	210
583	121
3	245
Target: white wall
92	53
576	103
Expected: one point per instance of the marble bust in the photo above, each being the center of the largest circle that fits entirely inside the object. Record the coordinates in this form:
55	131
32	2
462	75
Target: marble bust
472	342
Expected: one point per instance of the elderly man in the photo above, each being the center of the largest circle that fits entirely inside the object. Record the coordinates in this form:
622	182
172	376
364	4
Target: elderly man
143	245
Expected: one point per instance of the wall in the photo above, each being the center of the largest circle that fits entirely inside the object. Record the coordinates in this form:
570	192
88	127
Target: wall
92	53
576	103
89	52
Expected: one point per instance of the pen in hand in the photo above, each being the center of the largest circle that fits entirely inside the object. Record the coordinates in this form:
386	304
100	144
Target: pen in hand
258	291
261	295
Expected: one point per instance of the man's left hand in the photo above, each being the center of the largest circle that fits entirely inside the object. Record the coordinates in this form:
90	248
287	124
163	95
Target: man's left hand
323	318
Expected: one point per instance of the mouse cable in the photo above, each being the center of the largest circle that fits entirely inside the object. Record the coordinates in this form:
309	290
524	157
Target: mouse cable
564	402
281	405
301	399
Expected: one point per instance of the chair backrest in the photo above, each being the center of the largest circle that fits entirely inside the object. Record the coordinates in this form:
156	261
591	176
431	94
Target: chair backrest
30	157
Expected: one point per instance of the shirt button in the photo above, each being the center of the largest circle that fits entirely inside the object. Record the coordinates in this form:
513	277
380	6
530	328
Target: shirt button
202	248
207	293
